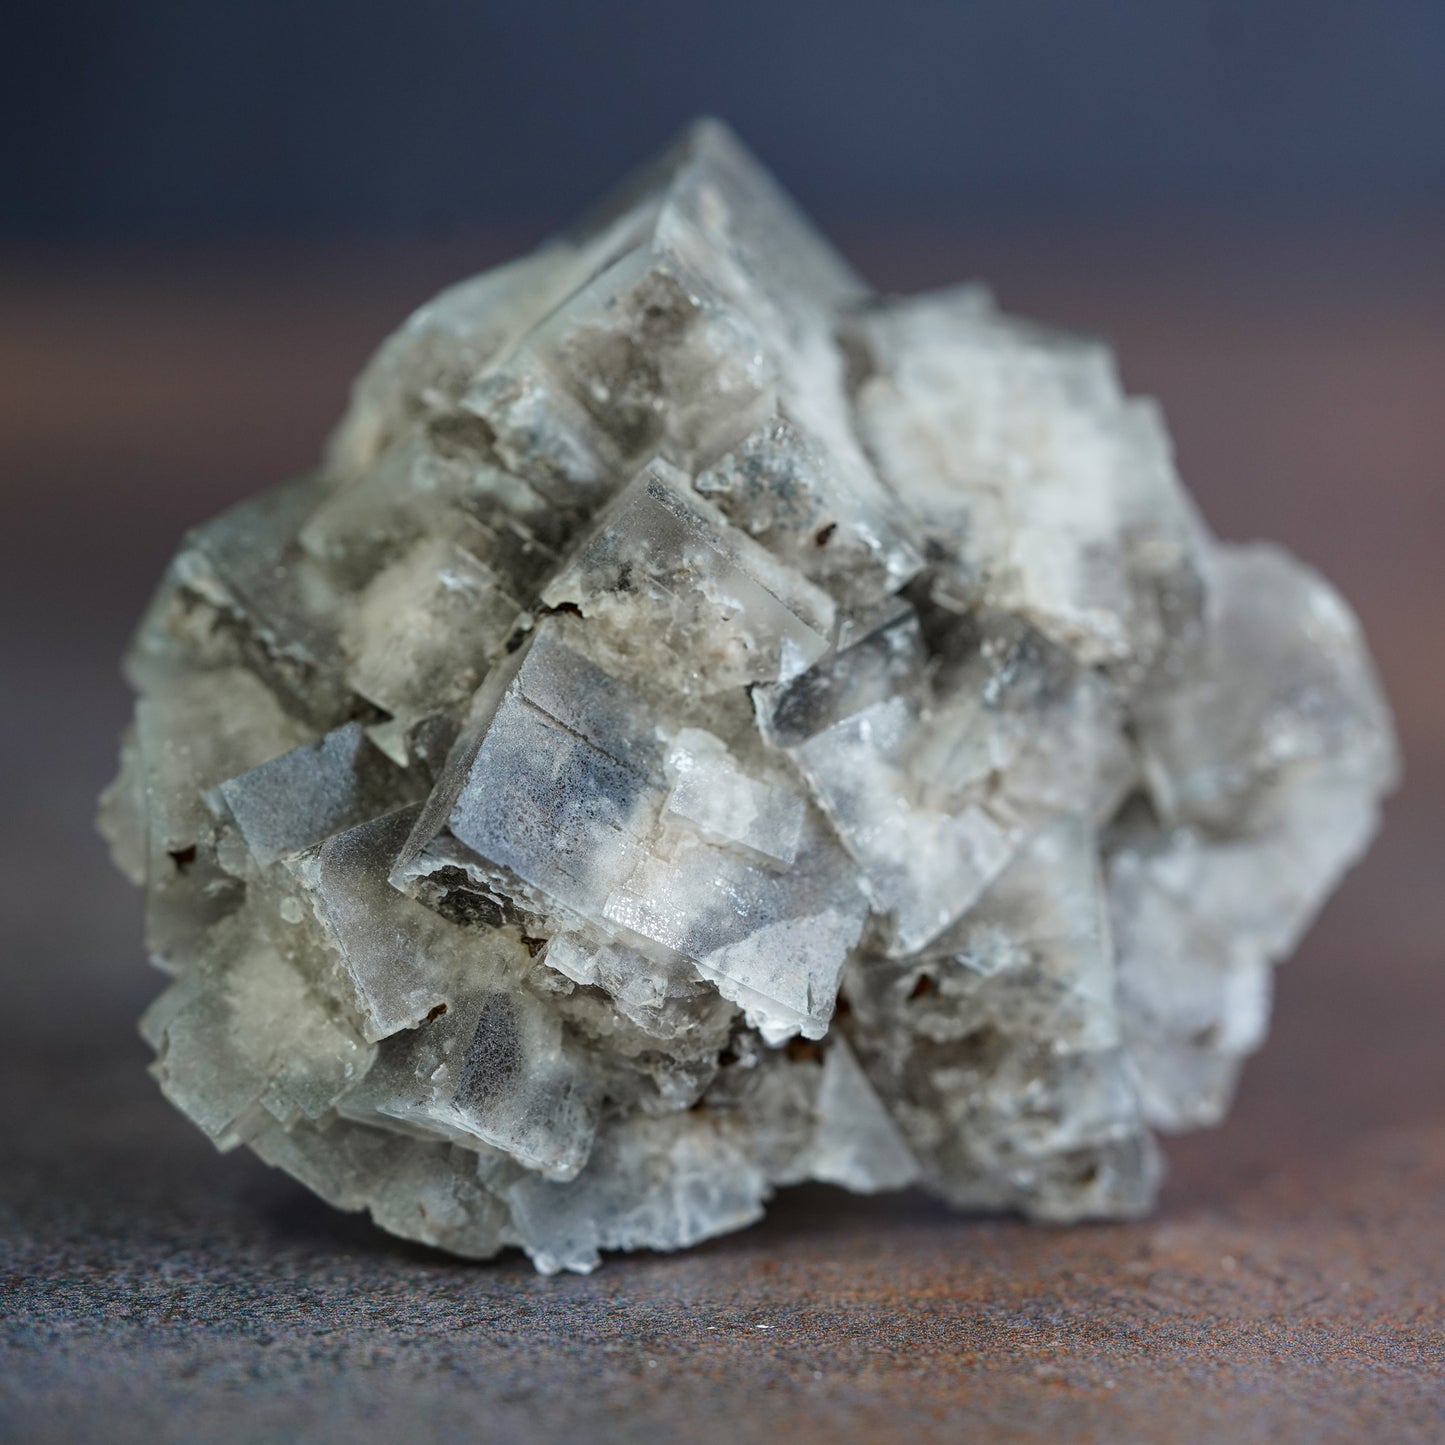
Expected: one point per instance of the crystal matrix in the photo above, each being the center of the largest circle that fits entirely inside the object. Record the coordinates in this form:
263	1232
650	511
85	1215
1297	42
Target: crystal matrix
705	727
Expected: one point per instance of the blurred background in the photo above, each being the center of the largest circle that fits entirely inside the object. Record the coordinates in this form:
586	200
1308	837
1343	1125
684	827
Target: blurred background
212	211
163	120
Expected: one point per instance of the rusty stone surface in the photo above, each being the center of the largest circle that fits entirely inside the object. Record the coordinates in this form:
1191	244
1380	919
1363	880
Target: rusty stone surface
1291	1286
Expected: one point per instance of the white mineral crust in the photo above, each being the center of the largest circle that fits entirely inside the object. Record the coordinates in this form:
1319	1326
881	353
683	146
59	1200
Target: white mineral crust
706	727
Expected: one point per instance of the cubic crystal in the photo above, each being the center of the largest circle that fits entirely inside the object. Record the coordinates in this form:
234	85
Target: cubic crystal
706	727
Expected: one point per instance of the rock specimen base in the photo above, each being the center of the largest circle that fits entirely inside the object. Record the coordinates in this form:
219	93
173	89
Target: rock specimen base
706	727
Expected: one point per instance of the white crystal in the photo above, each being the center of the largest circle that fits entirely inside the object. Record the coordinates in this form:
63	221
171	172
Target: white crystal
726	806
706	728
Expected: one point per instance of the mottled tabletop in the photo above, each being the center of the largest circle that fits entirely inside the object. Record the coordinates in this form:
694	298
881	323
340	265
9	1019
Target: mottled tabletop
1291	1285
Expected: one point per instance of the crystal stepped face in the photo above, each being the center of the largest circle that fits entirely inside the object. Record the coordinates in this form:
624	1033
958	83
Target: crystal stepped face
705	727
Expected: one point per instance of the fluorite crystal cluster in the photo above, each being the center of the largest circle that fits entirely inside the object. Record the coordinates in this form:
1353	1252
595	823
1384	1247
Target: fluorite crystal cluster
706	727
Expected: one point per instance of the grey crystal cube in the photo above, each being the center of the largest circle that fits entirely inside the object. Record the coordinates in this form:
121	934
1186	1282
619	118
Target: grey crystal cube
705	727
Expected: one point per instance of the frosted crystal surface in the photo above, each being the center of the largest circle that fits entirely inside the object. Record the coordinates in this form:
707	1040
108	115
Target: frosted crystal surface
705	727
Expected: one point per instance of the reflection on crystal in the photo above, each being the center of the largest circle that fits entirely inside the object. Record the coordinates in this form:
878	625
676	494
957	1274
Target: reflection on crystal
706	728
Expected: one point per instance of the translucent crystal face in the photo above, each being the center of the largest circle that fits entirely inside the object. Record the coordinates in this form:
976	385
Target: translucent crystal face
705	727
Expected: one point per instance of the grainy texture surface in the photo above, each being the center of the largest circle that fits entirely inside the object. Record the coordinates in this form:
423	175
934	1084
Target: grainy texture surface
1290	1287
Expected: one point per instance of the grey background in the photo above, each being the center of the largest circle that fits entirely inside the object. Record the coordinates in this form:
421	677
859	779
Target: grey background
166	118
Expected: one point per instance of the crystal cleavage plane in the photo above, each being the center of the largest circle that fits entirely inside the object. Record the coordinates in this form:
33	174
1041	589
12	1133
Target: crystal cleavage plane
707	727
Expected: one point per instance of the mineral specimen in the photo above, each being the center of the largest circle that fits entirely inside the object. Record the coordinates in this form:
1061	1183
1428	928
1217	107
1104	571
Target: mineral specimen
706	727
